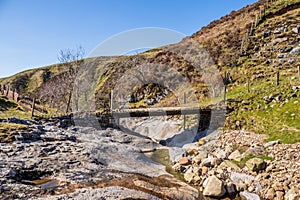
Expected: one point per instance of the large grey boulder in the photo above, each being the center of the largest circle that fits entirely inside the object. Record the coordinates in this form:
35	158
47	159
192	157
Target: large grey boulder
213	187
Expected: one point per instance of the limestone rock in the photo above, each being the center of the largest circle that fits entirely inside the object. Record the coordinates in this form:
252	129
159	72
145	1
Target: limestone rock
207	161
184	161
227	163
231	189
197	159
213	187
256	164
292	194
255	151
271	143
188	176
295	51
236	155
249	196
270	194
239	177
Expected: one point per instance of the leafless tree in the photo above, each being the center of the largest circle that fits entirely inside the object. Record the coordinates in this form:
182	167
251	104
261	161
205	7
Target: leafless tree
72	59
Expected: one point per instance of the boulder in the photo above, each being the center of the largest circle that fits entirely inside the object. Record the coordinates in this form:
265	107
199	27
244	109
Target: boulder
256	164
249	196
213	187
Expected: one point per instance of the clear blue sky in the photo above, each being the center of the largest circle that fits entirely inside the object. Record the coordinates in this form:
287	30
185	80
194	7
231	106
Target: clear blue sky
33	31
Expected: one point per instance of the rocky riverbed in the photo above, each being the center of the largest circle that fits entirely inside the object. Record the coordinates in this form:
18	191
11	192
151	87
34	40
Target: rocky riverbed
50	162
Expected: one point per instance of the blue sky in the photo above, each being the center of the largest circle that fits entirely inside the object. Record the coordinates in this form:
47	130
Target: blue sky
33	31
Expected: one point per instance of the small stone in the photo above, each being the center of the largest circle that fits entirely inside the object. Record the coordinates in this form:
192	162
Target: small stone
295	51
292	194
296	29
207	161
227	163
270	194
239	177
213	187
249	196
271	143
204	170
188	176
197	159
250	189
215	161
184	161
279	194
201	142
236	155
231	189
269	168
177	167
255	151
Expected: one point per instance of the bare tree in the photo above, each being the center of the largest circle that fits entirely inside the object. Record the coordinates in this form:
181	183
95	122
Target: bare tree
72	59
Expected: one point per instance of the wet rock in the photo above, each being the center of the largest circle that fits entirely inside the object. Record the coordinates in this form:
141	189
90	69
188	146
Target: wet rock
249	196
213	187
256	164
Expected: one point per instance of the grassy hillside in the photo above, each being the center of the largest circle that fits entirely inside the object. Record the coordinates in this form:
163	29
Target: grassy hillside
253	60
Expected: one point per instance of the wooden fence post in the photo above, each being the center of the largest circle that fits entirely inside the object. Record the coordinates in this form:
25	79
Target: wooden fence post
184	116
33	105
299	72
277	78
225	91
248	85
111	100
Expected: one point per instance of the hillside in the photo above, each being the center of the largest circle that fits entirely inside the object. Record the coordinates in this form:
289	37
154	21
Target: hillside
251	45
